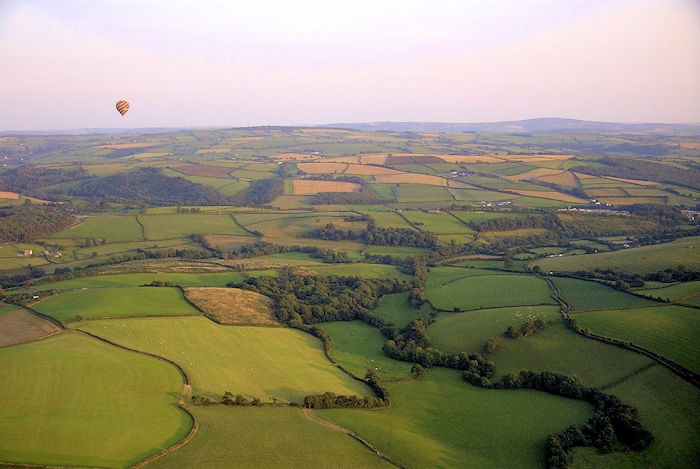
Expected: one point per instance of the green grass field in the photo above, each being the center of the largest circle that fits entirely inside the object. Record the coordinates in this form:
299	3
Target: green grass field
442	421
670	331
394	308
178	226
438	223
488	291
91	303
78	402
380	271
563	351
686	293
113	228
645	259
669	408
264	362
389	220
266	437
421	193
357	346
583	295
468	332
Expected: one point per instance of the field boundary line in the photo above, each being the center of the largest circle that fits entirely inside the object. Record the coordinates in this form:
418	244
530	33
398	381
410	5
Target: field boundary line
182	371
312	417
629	376
400	213
175	446
143	228
51	319
235	220
679	370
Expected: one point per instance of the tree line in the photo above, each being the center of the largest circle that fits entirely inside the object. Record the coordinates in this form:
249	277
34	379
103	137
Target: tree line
377	236
637	168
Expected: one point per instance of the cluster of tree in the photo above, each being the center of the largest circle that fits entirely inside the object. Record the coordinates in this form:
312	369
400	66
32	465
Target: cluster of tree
172	252
661	214
23	223
29	179
239	400
188	210
419	267
300	299
329	400
528	328
263	248
637	168
260	192
679	274
363	197
149	186
377	236
619	280
159	283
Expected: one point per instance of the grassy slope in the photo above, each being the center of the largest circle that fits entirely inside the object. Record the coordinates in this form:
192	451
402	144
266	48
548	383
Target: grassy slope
670	408
79	402
264	362
113	228
686	293
177	226
563	351
670	331
380	271
583	295
269	438
444	422
641	260
489	291
116	302
467	332
357	346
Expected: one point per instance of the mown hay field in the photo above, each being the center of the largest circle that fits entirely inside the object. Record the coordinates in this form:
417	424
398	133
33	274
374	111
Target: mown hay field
470	159
670	331
534	174
311	187
357	347
115	303
565	178
113	228
468	332
233	306
179	225
488	291
369	170
267	437
265	362
427	422
561	350
18	326
9	195
410	178
79	402
639	260
322	168
583	295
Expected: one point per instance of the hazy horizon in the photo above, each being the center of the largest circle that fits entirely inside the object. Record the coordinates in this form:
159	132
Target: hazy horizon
64	64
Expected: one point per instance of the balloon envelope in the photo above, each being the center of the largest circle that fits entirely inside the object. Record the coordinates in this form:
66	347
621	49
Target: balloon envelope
122	107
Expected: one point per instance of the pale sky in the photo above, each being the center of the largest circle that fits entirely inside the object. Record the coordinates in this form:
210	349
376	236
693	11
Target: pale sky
64	64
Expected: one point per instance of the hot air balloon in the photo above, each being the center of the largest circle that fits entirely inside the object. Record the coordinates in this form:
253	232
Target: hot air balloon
122	106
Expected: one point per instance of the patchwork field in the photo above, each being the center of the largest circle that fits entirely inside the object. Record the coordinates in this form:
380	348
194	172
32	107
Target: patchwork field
311	187
270	363
670	331
115	302
423	428
270	437
410	178
119	406
232	306
640	260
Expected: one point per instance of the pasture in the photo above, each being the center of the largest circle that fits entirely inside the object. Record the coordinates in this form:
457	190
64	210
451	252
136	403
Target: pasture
268	437
685	293
489	291
357	347
438	223
179	225
113	228
641	260
468	332
561	350
583	295
232	306
394	308
115	303
379	271
79	402
442	420
670	331
271	363
421	193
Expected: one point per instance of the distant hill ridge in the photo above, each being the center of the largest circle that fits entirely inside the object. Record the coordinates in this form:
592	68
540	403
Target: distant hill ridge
540	125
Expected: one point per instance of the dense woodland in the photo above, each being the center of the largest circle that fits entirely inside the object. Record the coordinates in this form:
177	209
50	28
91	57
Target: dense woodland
260	192
377	236
26	222
636	168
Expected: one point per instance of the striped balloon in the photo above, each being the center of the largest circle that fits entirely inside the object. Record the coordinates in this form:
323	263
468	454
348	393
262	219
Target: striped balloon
122	107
